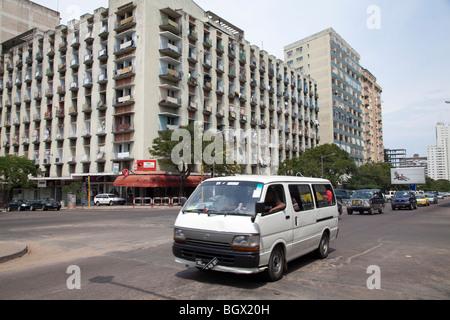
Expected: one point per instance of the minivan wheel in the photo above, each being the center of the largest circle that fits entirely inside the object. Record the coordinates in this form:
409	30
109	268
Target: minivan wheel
276	265
322	250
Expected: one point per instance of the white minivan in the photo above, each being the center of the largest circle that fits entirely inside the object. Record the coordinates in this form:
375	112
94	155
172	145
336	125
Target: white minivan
250	224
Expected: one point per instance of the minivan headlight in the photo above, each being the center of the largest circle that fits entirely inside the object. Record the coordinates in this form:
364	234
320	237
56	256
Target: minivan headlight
179	236
245	243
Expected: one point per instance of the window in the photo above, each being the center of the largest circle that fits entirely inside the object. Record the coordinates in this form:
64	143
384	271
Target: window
274	195
301	197
324	195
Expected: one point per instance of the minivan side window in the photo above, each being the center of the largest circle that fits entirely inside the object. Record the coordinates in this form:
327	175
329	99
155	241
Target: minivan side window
324	195
301	197
275	198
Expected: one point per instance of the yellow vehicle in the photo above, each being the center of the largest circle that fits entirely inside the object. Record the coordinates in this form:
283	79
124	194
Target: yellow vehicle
422	200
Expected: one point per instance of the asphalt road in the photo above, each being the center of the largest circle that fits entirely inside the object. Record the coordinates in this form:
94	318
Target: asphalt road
125	253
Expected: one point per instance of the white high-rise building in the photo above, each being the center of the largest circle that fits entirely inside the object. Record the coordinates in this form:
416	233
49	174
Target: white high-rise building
439	155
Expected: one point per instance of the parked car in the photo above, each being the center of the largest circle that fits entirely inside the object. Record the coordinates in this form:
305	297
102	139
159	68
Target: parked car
404	199
108	199
366	200
52	205
37	204
422	200
432	197
19	205
440	195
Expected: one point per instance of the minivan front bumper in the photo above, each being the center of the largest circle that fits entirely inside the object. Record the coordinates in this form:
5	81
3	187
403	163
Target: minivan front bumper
228	259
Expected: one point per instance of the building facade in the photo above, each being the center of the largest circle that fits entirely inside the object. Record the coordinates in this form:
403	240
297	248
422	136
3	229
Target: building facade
334	64
396	157
87	99
373	118
19	16
438	156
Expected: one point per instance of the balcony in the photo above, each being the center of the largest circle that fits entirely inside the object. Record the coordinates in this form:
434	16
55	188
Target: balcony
170	102
167	73
170	25
169	46
125	47
103	55
124	73
88	59
125	24
123	128
121	156
87	83
123	101
102	79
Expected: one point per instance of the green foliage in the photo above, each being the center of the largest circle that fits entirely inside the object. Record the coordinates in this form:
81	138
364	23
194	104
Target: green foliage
435	185
372	175
15	172
74	188
163	148
335	167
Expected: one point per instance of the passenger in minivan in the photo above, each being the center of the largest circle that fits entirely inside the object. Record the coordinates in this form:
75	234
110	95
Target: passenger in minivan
272	202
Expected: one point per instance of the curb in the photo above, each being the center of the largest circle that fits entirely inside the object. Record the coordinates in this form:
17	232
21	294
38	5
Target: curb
12	250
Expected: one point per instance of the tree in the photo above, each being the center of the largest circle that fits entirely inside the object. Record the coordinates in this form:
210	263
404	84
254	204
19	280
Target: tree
176	151
15	172
337	164
162	147
372	175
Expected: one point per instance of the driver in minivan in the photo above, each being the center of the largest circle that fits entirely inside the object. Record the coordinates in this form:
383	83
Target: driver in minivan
273	202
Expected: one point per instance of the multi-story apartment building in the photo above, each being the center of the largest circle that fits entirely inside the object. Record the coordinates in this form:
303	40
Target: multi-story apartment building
87	99
373	118
334	64
19	16
396	157
438	156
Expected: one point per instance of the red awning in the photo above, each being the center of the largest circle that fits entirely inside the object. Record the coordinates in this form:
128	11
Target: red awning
153	181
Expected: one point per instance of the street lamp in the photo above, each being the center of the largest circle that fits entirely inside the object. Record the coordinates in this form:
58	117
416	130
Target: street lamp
322	157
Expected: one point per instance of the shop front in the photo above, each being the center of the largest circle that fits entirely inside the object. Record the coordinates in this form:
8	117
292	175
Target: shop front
153	185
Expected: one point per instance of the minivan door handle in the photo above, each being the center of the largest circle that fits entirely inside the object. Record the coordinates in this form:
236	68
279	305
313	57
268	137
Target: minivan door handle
288	217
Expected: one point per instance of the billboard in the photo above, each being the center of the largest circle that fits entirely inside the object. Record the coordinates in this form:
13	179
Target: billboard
144	165
414	175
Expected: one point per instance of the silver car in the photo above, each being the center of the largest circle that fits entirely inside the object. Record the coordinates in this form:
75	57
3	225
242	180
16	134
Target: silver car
108	199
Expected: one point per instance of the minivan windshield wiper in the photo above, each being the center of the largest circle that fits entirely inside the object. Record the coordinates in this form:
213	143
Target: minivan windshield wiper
222	212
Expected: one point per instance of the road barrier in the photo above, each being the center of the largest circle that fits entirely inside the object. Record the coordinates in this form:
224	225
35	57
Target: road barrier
142	201
157	201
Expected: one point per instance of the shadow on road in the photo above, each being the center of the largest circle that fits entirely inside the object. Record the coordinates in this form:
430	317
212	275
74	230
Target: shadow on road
110	280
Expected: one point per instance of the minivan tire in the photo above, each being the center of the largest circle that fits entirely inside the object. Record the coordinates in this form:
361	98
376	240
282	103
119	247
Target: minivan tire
324	245
277	264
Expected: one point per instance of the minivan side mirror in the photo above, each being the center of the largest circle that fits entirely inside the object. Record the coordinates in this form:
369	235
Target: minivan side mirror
259	209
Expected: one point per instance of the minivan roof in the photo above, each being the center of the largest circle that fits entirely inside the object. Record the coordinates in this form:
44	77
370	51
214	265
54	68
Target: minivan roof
269	179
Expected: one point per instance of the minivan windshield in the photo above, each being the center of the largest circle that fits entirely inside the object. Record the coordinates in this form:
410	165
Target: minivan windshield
225	197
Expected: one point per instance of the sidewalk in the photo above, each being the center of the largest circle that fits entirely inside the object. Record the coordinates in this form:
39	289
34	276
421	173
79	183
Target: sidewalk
10	250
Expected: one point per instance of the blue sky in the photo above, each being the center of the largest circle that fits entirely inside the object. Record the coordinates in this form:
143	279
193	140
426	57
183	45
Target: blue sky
408	51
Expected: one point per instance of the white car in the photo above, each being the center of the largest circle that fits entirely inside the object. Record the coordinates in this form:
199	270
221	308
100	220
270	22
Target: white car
108	199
